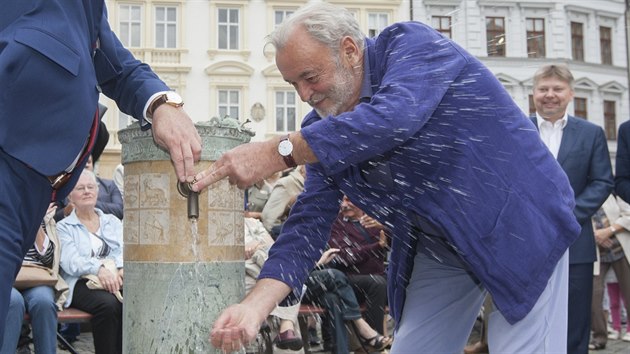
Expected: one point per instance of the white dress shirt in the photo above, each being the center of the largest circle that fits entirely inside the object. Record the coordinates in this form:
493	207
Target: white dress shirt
551	133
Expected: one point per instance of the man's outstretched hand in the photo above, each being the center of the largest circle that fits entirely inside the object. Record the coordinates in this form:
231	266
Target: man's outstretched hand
234	329
243	166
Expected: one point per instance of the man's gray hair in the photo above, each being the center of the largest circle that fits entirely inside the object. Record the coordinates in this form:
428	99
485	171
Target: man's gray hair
326	23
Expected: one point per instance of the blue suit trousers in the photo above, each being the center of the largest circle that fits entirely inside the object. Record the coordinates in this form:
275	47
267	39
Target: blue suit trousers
25	197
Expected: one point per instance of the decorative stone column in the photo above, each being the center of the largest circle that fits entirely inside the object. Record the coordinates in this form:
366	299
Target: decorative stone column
179	272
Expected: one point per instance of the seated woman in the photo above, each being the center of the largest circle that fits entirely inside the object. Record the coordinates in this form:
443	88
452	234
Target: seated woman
257	243
90	239
329	288
39	300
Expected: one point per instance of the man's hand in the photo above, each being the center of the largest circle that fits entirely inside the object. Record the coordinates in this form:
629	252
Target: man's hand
234	329
602	237
328	256
174	130
383	240
238	324
243	166
369	222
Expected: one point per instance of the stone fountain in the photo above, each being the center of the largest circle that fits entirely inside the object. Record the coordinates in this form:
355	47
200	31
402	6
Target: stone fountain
182	266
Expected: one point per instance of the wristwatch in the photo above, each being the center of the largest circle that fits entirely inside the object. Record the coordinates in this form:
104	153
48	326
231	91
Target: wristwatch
171	98
285	149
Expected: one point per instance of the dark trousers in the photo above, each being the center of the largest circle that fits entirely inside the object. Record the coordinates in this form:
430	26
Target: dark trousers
371	290
330	289
24	198
106	320
598	318
580	301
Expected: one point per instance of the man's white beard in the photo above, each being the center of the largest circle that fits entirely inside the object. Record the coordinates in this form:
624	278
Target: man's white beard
340	94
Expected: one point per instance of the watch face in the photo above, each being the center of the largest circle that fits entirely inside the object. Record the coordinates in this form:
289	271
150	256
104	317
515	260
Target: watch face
285	148
174	97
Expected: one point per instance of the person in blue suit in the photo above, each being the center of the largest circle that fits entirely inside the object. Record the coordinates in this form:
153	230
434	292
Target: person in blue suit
581	149
56	57
420	135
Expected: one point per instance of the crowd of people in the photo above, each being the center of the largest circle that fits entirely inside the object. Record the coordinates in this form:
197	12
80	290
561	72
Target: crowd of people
415	185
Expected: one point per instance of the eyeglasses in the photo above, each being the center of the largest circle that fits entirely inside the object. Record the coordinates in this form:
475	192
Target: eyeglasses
89	188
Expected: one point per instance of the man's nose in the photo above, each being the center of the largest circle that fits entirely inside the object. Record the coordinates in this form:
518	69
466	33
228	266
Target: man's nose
304	91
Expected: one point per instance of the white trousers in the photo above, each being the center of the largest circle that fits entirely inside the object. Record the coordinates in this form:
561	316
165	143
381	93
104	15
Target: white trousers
444	299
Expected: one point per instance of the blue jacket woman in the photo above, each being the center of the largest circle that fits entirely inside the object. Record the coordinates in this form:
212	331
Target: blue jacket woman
90	240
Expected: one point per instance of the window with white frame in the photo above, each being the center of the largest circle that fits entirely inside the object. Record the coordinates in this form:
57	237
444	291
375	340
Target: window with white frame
130	25
495	36
228	28
280	15
229	103
610	119
443	25
165	27
580	107
577	40
605	44
535	35
286	117
377	21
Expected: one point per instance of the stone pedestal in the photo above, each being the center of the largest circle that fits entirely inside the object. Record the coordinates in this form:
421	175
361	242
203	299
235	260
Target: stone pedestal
179	272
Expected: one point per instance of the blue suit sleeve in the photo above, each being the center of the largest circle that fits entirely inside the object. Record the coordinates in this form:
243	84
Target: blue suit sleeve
622	163
600	180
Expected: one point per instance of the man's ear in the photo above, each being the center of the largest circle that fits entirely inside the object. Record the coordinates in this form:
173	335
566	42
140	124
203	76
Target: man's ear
350	50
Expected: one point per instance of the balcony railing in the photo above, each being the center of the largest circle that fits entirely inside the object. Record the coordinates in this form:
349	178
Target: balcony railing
157	56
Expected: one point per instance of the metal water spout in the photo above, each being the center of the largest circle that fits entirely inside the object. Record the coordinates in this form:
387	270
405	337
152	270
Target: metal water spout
185	189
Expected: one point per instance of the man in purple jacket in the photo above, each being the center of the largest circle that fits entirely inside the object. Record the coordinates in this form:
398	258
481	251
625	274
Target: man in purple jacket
421	136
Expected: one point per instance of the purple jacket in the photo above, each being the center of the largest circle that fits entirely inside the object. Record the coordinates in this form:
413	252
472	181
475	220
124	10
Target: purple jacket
436	136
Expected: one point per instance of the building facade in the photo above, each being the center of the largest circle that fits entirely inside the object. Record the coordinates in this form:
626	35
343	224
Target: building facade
214	54
514	38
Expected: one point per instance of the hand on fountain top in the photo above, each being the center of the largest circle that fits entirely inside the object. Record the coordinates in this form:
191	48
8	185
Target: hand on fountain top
174	130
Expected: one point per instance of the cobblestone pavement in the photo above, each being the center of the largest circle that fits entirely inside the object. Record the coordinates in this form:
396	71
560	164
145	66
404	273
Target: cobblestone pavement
84	345
612	347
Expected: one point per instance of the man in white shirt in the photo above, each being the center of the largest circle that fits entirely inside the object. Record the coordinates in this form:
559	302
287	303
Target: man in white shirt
581	149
